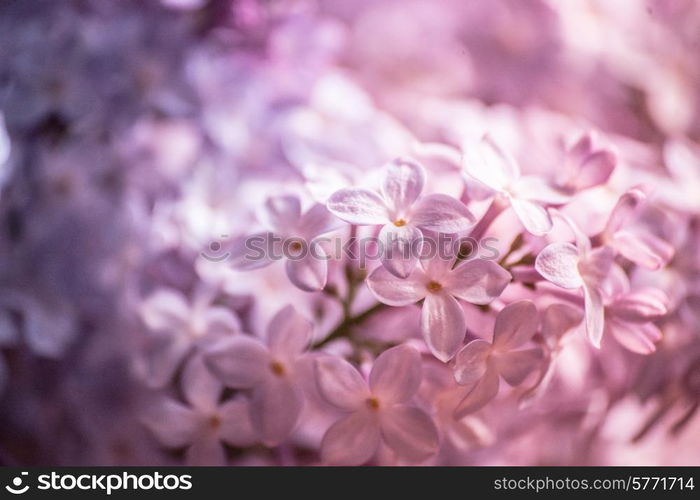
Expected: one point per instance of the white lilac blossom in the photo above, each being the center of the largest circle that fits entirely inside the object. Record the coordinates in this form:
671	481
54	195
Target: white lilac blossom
157	158
402	212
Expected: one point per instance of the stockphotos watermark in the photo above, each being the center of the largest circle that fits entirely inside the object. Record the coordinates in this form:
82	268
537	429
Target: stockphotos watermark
106	483
270	247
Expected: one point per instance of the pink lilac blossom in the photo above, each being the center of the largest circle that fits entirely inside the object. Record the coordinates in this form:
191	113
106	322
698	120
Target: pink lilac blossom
460	194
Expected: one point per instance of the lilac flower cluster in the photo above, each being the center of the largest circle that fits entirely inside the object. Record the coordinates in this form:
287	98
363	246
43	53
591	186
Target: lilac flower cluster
145	145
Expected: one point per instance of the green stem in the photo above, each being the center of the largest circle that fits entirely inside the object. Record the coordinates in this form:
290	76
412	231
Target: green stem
345	326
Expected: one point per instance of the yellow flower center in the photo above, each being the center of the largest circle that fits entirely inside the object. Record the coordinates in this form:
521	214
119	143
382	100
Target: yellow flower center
399	222
434	286
277	368
372	403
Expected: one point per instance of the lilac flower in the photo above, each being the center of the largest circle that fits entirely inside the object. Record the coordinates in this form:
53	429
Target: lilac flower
498	172
307	266
376	412
580	267
268	370
178	325
480	363
439	285
586	164
402	213
635	243
203	423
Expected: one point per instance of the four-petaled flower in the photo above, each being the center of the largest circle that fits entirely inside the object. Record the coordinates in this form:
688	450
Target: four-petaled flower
269	370
377	411
498	172
403	213
439	283
293	235
203	423
480	363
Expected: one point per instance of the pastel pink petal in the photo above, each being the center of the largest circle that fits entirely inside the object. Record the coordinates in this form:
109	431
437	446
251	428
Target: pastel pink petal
402	184
206	450
646	250
166	309
443	325
396	374
514	366
594	315
201	389
340	384
289	333
533	216
173	424
316	221
352	440
515	325
400	248
480	395
250	252
410	433
477	281
583	147
471	362
275	407
491	165
625	207
442	214
221	321
236	426
439	265
535	188
638	338
280	213
558	319
596	267
640	306
358	206
595	170
389	289
240	362
164	354
310	271
558	263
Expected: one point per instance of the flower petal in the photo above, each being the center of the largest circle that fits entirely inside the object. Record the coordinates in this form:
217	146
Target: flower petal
352	440
236	425
396	374
221	321
166	309
595	169
480	395
535	188
515	325
477	281
316	221
400	248
410	433
640	306
532	215
275	407
595	314
558	263
201	389
173	424
471	362
489	164
340	383
206	450
310	271
514	366
402	184
253	251
443	325
442	214
289	333
280	213
626	206
240	362
358	206
389	289
639	338
558	319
